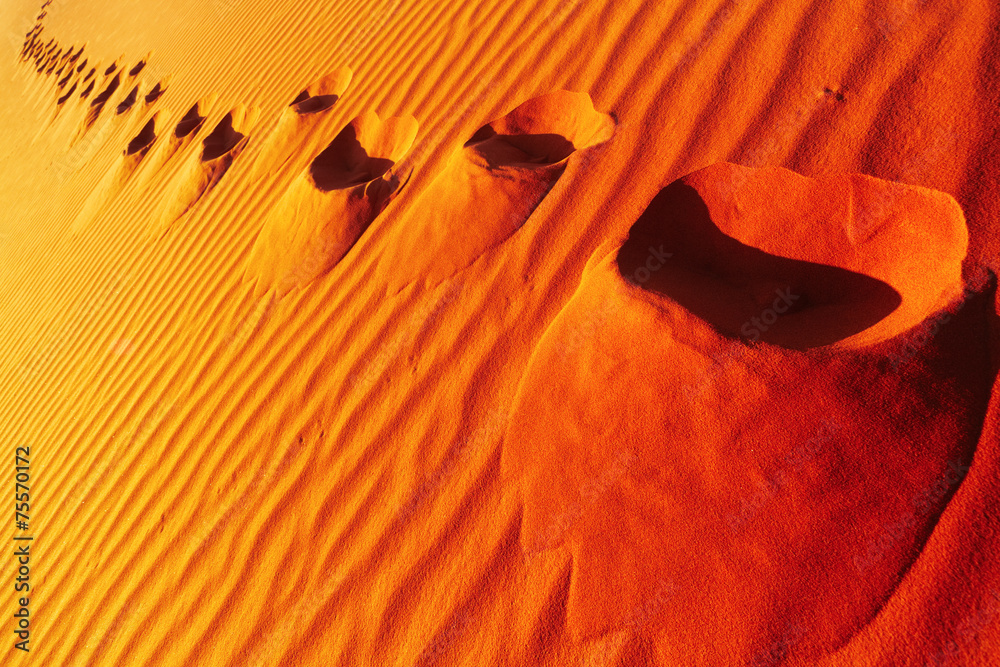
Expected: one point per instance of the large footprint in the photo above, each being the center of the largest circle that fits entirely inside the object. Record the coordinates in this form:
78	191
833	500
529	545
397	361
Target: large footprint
293	133
329	204
490	187
750	415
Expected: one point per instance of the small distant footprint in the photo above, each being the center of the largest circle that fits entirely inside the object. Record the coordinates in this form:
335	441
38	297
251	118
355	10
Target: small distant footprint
156	92
129	100
138	68
140	144
330	204
291	134
115	177
490	187
62	100
97	104
201	172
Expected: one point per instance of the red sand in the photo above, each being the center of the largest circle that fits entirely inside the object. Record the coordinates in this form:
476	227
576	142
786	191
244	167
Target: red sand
687	357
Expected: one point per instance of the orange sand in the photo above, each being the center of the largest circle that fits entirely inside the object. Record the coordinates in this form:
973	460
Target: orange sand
556	333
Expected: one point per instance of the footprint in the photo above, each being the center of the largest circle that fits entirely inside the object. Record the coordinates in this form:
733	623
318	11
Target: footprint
728	283
157	91
293	134
117	175
489	188
708	458
158	167
140	144
138	68
330	204
97	104
62	100
129	100
191	121
201	172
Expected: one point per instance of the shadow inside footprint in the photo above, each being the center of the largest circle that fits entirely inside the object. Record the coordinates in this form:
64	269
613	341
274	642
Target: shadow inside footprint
676	250
304	103
514	150
330	204
490	187
155	93
222	140
200	173
62	100
345	163
97	104
141	142
129	100
191	121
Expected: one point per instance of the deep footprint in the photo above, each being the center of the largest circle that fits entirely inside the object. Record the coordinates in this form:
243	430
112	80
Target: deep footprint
330	204
202	172
490	187
293	133
156	92
713	465
127	103
98	103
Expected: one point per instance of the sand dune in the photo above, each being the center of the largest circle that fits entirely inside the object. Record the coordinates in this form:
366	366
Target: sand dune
511	333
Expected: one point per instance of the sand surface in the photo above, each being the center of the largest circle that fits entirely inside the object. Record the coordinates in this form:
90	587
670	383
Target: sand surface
569	332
